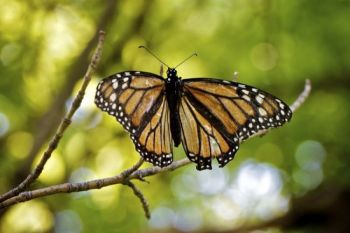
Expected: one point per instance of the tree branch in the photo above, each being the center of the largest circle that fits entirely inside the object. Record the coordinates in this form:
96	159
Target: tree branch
65	122
302	96
125	176
142	198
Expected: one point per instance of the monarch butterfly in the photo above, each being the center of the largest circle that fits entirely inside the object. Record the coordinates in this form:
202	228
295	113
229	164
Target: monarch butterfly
209	116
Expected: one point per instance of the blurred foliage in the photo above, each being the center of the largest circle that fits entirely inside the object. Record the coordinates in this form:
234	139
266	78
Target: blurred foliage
274	45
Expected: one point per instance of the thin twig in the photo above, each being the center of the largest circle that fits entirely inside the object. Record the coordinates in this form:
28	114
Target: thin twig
134	168
302	97
142	198
62	127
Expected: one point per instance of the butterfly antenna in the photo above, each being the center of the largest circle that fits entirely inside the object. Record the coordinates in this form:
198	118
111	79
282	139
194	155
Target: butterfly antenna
194	54
155	56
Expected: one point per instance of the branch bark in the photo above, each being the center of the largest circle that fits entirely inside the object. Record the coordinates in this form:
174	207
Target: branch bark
142	198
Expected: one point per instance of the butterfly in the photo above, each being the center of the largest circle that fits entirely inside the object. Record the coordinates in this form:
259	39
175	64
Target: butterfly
210	117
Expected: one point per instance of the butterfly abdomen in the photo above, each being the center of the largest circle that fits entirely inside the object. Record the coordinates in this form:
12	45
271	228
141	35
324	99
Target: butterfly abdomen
173	85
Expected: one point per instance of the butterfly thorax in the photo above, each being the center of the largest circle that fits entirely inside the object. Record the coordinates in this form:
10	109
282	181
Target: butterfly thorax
173	92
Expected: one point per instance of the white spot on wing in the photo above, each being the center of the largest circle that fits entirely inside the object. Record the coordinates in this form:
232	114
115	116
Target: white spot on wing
113	97
259	99
247	98
262	112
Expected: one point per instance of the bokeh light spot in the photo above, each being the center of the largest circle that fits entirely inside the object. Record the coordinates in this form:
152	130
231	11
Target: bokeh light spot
308	180
106	196
187	219
11	12
75	148
54	171
258	179
211	182
162	218
67	221
271	153
108	161
310	155
4	124
264	56
256	191
28	217
19	143
9	53
226	210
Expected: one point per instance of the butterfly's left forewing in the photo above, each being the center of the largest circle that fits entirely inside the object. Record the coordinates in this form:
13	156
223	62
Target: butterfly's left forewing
137	101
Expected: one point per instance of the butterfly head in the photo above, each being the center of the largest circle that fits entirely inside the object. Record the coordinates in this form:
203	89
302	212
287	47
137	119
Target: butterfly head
172	74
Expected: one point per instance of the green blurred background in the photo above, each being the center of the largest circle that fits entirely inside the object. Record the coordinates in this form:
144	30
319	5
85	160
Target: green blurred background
295	179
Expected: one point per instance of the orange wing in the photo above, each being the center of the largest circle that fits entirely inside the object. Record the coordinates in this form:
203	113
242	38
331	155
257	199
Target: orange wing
137	101
216	115
201	139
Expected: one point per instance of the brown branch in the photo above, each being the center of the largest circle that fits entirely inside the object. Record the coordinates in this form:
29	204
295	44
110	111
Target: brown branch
62	127
132	173
142	198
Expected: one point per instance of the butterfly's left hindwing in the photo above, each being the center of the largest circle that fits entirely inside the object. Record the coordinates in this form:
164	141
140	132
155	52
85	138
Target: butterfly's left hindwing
137	101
